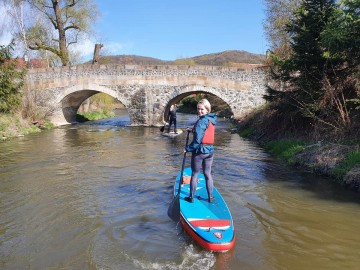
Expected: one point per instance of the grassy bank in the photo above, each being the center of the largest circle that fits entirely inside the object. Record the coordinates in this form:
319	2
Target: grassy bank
337	158
13	125
95	115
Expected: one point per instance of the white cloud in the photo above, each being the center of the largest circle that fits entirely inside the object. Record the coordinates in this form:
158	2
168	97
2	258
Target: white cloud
85	47
114	48
5	35
5	38
117	48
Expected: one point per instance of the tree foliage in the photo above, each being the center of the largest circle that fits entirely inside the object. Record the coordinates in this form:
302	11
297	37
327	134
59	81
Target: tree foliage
11	81
316	81
5	52
54	25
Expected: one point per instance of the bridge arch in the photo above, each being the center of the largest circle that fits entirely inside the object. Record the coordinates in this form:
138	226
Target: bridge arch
188	90
72	98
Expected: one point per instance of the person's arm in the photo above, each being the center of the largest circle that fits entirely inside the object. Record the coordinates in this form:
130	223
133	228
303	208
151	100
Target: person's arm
198	136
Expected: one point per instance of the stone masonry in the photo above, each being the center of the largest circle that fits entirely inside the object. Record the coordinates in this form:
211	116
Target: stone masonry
146	91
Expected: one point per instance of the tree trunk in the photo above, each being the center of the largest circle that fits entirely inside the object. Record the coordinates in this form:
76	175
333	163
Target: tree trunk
97	53
64	54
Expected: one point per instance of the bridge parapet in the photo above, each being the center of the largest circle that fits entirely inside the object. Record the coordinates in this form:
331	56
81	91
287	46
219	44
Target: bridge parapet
231	73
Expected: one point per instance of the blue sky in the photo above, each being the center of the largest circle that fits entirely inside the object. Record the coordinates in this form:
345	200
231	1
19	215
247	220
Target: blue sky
172	29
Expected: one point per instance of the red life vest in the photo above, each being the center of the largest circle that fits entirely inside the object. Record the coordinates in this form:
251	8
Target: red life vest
209	135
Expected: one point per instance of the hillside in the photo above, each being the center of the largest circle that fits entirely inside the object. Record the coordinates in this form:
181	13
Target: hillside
229	58
226	58
131	60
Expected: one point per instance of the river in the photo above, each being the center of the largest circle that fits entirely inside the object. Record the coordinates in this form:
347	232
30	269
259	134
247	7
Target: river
95	196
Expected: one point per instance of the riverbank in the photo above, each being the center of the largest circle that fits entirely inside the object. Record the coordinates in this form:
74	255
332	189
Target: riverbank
13	125
322	154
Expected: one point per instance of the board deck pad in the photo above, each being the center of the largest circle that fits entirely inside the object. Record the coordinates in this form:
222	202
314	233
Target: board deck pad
209	224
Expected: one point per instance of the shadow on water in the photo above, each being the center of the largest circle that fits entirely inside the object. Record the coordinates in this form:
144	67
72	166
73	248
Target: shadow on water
321	187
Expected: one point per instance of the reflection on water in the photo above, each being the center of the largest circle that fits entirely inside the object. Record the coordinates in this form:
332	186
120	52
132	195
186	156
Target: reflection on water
95	196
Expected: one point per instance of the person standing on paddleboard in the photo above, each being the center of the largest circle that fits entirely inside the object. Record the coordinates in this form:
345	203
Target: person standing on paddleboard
172	118
202	148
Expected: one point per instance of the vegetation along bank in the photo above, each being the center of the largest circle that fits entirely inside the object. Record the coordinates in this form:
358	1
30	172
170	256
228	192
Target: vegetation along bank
337	159
312	115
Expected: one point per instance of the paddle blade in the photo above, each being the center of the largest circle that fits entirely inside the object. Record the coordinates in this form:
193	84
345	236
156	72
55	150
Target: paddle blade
162	128
174	209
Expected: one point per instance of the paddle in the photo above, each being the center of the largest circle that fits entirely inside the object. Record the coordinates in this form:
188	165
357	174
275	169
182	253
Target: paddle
174	207
163	127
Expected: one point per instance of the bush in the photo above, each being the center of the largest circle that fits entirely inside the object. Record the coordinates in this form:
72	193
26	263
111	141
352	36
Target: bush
11	81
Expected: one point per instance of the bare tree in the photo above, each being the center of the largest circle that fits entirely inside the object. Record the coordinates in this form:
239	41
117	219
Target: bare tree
16	10
55	24
278	16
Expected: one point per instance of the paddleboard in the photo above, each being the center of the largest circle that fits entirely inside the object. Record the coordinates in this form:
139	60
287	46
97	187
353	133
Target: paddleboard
209	224
172	134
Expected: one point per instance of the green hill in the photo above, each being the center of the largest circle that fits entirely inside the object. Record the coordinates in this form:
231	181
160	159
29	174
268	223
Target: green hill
227	58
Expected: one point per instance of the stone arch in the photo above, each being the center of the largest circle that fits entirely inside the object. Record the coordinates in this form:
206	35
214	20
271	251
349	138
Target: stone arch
72	97
183	91
92	87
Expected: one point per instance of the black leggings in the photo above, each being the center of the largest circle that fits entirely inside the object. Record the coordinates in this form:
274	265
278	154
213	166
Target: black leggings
205	161
172	121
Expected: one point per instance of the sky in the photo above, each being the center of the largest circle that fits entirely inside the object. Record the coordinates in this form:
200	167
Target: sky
173	29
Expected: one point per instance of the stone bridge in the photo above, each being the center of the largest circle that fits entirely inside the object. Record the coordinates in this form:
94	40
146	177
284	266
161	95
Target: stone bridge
146	91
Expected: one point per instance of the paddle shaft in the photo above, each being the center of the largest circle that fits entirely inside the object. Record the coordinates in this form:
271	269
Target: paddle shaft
174	207
183	163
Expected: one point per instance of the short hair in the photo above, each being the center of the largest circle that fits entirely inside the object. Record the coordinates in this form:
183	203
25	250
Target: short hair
206	104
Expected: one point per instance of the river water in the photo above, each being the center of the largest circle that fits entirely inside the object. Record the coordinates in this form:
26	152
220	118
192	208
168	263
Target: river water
95	196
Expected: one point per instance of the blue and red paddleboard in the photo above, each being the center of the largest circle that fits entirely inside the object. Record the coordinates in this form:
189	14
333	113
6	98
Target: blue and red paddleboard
209	224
